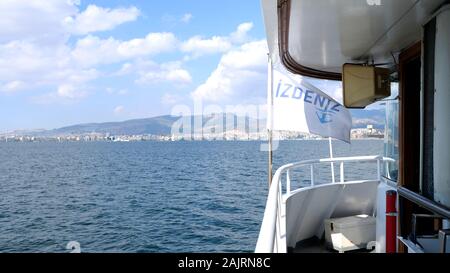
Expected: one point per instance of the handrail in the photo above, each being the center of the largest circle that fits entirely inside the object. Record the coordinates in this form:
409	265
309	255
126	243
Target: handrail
335	160
340	160
267	239
424	202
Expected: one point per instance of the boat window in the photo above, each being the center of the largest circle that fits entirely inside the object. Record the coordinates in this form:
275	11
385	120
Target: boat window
391	139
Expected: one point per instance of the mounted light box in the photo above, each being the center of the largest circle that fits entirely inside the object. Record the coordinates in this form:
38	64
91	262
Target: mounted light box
364	85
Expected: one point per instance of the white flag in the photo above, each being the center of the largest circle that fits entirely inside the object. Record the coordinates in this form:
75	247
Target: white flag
296	105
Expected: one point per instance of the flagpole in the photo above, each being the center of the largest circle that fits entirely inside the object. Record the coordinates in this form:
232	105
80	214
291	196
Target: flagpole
331	156
270	157
270	109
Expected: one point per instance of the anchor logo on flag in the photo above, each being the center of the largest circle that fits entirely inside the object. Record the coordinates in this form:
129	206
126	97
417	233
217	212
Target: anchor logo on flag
324	116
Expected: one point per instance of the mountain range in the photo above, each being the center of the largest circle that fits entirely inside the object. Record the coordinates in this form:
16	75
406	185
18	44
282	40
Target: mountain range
162	125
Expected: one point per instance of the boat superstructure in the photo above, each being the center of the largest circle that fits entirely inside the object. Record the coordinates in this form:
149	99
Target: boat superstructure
411	38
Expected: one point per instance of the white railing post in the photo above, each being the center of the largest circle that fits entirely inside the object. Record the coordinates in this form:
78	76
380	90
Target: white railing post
342	172
378	170
288	182
332	162
312	175
278	220
280	198
386	169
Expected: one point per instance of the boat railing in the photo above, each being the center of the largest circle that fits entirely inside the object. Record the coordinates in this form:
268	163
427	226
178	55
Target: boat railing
270	237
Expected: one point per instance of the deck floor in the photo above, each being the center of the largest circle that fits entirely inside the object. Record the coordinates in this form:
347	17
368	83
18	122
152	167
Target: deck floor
314	245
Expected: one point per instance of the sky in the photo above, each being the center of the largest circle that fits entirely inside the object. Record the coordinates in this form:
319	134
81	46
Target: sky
65	62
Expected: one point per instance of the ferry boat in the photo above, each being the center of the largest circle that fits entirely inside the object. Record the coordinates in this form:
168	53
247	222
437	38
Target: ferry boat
406	206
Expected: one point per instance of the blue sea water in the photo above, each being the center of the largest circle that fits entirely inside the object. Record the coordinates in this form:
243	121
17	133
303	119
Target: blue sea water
147	196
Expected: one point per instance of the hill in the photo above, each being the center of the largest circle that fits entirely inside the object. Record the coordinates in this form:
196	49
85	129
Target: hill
162	125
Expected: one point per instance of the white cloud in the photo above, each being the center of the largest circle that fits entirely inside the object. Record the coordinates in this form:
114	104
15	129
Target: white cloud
119	110
198	46
12	87
25	65
37	21
151	73
40	50
35	53
241	73
65	93
60	66
96	18
126	69
241	34
171	21
152	44
178	75
186	18
20	58
69	91
91	50
51	22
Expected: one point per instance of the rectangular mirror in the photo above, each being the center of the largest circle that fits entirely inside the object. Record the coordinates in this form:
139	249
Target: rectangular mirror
364	85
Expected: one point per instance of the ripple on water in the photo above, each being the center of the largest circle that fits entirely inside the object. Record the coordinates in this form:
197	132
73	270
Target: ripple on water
143	196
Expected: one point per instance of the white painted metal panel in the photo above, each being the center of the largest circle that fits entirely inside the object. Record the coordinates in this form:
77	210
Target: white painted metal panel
306	209
324	34
441	152
363	197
